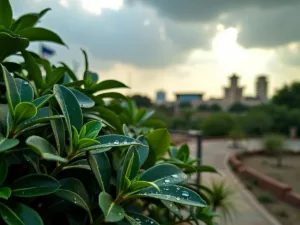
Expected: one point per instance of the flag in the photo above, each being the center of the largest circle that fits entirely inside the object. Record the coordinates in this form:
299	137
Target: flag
46	51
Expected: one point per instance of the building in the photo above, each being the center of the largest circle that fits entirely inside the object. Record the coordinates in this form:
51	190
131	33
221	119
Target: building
160	98
262	89
195	99
233	94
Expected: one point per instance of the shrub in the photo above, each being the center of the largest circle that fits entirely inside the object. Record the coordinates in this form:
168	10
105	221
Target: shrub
218	125
236	135
273	145
265	198
66	157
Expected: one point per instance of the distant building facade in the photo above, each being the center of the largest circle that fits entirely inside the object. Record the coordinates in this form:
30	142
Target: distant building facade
262	88
160	98
195	99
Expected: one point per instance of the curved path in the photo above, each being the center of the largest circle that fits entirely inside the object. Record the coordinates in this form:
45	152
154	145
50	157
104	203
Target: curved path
249	212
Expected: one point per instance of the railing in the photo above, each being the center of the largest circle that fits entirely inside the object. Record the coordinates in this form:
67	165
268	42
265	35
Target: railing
196	135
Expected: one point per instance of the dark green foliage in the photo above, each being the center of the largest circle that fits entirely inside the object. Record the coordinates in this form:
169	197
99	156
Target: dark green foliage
266	198
142	101
288	96
274	145
67	157
238	108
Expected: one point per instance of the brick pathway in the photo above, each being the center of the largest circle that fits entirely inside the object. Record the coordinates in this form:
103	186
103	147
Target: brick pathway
249	213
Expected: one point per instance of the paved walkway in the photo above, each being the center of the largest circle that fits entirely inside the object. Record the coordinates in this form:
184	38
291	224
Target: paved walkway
249	212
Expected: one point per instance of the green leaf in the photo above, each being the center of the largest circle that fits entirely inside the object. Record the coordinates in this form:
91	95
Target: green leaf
107	84
112	95
86	142
183	153
163	174
173	208
34	185
13	44
112	211
24	111
25	90
28	20
83	100
53	77
12	66
44	149
115	140
79	164
58	131
154	123
101	168
41	34
5	192
90	129
75	136
142	150
6	15
39	102
109	116
86	63
70	72
73	191
70	108
159	141
15	213
34	71
173	193
141	219
139	185
3	170
129	169
6	144
13	96
205	168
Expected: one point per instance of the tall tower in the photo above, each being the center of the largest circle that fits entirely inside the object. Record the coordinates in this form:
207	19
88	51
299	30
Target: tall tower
262	88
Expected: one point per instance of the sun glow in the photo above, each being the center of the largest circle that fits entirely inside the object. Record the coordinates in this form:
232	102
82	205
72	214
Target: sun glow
96	6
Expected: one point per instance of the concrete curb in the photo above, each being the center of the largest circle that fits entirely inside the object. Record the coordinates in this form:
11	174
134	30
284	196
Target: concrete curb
249	196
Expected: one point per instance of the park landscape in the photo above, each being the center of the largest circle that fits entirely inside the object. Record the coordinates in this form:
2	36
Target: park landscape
74	150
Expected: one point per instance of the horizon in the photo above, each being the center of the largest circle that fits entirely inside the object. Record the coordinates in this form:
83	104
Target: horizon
179	47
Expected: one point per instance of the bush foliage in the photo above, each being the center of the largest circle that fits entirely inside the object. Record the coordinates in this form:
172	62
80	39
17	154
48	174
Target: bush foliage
69	157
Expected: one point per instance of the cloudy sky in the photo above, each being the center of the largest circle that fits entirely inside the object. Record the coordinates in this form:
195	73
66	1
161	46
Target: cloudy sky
177	45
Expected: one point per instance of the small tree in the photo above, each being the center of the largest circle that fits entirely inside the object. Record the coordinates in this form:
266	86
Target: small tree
236	135
273	145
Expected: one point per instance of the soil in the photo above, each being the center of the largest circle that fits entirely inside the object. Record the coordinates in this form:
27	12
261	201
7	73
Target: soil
289	173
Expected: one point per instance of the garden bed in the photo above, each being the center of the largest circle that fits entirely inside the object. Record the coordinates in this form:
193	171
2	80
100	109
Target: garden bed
275	188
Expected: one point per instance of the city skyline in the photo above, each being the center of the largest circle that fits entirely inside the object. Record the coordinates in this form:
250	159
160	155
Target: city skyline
163	46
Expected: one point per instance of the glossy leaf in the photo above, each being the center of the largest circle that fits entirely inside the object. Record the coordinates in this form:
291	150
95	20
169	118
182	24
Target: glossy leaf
70	72
107	84
85	143
163	174
86	64
111	95
173	208
70	108
25	90
54	77
13	44
5	192
13	96
109	116
112	211
44	149
3	170
143	150
34	185
173	193
90	129
58	131
41	34
79	164
159	141
39	102
6	144
183	153
28	20
101	168
115	140
19	214
34	71
6	15
74	192
83	100
141	219
205	168
128	170
24	111
139	185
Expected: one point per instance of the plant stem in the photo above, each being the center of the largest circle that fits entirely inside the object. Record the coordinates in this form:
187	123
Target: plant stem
57	170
